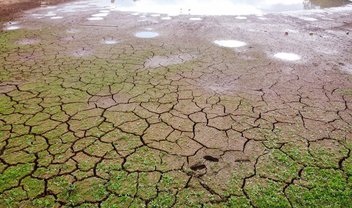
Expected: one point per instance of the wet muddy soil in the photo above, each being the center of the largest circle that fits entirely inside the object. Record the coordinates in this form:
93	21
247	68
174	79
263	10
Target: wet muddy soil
11	8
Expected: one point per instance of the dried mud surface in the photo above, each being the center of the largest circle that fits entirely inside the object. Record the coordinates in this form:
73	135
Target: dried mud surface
176	121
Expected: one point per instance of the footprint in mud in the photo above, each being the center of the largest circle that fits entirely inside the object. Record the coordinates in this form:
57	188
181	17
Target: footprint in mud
211	158
198	166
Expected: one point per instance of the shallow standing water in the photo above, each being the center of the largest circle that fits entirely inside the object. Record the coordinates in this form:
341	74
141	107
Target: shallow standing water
222	7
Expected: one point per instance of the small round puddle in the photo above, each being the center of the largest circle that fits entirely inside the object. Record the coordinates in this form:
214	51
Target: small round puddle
287	56
230	43
146	34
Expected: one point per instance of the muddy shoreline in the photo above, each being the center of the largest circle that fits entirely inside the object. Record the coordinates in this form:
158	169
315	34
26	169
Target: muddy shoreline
12	9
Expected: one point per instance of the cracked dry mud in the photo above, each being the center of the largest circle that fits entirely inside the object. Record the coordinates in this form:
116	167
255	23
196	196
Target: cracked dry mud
176	121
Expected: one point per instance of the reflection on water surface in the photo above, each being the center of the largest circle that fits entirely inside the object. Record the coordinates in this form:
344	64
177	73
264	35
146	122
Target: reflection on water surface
221	7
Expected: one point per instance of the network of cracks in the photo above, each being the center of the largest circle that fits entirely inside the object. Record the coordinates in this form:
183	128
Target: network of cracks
92	121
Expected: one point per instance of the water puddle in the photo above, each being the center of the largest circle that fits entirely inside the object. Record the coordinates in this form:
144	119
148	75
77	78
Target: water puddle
95	18
309	19
12	26
100	14
230	43
287	56
166	18
195	19
241	17
50	14
146	34
56	17
219	7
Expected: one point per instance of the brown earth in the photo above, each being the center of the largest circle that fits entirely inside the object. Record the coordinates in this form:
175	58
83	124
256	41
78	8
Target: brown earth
175	120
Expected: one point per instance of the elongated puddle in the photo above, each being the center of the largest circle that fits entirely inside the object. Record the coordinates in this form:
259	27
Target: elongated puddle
287	56
230	43
219	7
146	34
